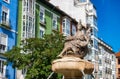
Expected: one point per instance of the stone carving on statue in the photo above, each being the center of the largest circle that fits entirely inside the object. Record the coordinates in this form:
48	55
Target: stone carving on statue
77	45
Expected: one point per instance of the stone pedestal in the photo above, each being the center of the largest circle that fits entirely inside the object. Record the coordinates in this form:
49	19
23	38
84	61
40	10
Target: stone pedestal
72	67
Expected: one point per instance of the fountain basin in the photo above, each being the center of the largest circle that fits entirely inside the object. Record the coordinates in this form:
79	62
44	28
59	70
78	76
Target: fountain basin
72	66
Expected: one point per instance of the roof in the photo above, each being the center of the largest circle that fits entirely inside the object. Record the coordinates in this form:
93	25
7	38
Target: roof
104	42
56	8
117	54
107	46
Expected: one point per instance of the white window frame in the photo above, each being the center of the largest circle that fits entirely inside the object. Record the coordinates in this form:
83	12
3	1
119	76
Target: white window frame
42	9
28	20
3	42
65	27
6	10
7	1
30	27
54	20
2	66
42	29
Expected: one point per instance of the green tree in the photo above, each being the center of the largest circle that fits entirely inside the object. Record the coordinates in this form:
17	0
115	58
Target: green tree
36	54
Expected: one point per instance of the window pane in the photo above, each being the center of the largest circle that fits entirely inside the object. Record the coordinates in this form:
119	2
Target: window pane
68	27
42	31
42	14
1	66
4	16
73	30
54	24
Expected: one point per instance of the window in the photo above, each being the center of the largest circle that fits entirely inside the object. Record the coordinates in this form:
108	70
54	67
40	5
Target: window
118	61
28	19
89	19
5	15
118	70
95	32
28	27
73	29
95	44
42	15
42	32
100	61
54	22
91	43
66	26
1	66
2	69
3	42
95	21
82	0
8	1
30	5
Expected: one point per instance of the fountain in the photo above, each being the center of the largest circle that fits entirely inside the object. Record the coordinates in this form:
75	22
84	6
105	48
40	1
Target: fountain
71	63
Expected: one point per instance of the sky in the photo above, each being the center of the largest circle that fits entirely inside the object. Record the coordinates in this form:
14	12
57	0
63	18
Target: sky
108	16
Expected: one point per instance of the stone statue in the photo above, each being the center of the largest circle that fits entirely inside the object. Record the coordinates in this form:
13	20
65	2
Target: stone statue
77	45
72	65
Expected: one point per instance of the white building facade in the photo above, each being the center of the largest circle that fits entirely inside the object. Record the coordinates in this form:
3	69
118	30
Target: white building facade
107	64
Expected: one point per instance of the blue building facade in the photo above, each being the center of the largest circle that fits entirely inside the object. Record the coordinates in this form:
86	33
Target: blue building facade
8	35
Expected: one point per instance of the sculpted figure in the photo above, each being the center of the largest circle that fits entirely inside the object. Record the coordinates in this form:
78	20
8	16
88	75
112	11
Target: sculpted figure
77	45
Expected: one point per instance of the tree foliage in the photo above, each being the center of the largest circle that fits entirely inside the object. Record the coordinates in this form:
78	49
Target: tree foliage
36	55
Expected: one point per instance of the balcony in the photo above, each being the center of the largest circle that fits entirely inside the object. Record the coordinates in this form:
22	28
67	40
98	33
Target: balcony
5	24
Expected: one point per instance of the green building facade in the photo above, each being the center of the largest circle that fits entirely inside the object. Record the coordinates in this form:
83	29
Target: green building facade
36	18
47	18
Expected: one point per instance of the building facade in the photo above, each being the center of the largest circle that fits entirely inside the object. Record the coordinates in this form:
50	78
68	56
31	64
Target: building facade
117	65
107	61
8	33
26	25
26	20
39	17
50	17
